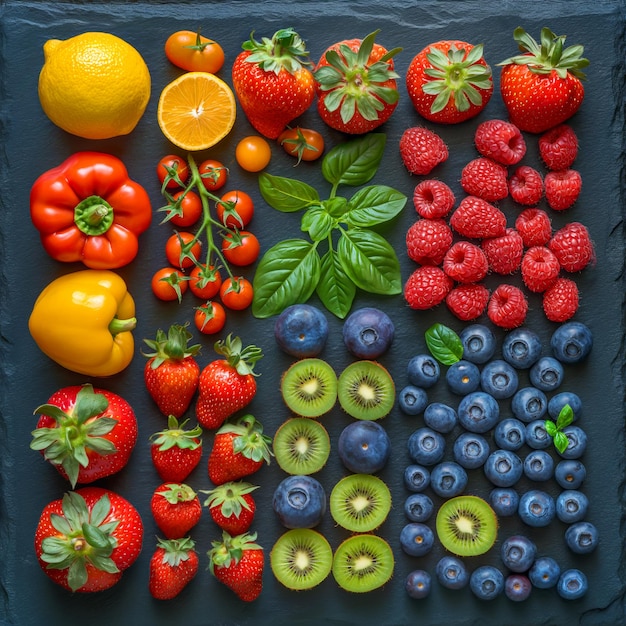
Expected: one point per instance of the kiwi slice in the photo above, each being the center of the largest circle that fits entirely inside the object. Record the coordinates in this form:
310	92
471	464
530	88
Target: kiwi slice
360	502
363	563
366	390
467	525
301	446
301	559
309	387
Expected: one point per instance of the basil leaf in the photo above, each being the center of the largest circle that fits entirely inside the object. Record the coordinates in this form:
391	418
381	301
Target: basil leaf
444	344
336	206
286	194
287	274
318	223
335	289
374	205
561	441
565	418
550	427
354	162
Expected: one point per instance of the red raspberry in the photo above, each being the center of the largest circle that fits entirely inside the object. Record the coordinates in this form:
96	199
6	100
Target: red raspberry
427	241
422	150
540	268
562	188
501	141
534	226
476	218
507	306
433	199
560	302
526	185
573	247
427	287
465	262
486	179
558	147
504	254
467	302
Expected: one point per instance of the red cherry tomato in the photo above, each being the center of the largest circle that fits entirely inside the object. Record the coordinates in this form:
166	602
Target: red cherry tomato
253	153
192	52
235	209
181	250
236	293
169	283
240	248
213	173
172	171
210	318
304	143
205	282
187	211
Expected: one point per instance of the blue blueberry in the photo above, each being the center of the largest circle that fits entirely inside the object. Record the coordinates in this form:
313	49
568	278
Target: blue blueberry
544	573
412	400
470	450
479	343
364	447
416	539
518	553
536	508
570	473
463	377
510	434
368	333
440	417
487	582
517	587
571	506
299	502
572	584
423	371
499	379
582	537
504	501
418	507
503	468
418	584
426	447
546	374
416	478
521	348
537	436
478	412
576	442
301	330
559	400
451	572
538	466
448	479
529	403
571	342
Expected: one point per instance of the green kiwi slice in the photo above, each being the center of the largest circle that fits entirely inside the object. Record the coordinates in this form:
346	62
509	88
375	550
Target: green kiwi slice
363	563
301	446
366	390
301	559
360	502
309	387
467	525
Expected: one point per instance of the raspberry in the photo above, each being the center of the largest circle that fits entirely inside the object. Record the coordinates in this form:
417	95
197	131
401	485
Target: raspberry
507	306
562	188
427	241
573	247
465	262
560	302
558	147
422	150
504	254
427	287
526	185
476	218
501	141
433	199
467	302
486	179
540	268
534	226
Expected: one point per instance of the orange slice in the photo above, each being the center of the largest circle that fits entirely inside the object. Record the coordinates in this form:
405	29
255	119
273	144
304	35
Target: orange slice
196	110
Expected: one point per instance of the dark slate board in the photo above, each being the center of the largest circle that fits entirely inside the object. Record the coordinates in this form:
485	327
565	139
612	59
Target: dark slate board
31	145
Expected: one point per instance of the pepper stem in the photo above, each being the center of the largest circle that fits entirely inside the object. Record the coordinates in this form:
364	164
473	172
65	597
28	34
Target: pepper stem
93	215
120	326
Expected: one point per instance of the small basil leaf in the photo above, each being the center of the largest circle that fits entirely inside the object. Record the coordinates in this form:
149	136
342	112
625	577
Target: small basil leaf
550	427
335	289
318	223
286	194
444	344
561	441
565	418
354	162
336	206
374	205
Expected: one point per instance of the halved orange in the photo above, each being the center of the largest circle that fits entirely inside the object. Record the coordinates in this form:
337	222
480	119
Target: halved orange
196	110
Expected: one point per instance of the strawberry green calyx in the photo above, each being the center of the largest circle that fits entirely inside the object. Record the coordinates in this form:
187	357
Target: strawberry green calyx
176	436
177	492
285	50
229	497
171	347
242	359
175	551
229	550
250	441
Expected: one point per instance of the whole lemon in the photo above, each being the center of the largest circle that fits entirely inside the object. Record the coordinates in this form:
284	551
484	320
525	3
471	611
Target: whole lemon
94	85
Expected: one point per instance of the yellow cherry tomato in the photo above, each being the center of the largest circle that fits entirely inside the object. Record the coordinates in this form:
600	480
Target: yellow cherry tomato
253	153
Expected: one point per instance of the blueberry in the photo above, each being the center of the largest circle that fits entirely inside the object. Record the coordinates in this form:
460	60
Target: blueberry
487	582
504	501
418	507
572	584
479	343
521	348
510	434
478	412
416	478
426	447
503	468
517	587
470	450
301	330
537	436
368	333
536	508
529	403
412	400
423	371
544	572
448	479
440	417
364	447
559	400
570	473
546	374
571	342
518	553
571	506
417	539
418	584
451	572
499	379
299	502
582	537
576	442
538	466
463	377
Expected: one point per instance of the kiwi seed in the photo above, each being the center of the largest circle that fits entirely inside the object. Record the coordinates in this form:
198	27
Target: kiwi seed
366	390
301	446
309	387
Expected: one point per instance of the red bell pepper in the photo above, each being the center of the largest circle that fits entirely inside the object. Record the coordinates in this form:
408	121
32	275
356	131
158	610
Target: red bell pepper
88	209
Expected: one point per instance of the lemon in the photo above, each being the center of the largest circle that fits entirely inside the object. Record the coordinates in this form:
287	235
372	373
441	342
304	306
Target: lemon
94	85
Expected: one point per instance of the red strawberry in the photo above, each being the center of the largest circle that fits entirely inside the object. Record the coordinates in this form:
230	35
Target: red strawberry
272	82
573	247
467	302
449	81
232	506
477	219
422	150
171	373
485	179
465	262
534	227
541	87
176	509
500	141
356	86
558	147
176	452
85	433
227	385
238	563
173	566
239	449
560	302
504	254
427	287
507	306
562	188
433	199
540	268
526	185
427	241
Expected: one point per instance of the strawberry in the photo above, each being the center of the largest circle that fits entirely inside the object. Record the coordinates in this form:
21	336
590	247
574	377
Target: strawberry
534	226
171	372
504	254
558	147
427	241
540	268
356	86
85	433
542	87
467	302
427	287
422	150
449	81
507	306
232	506
573	247
175	451
526	185
239	449
485	179
176	509
500	141
272	81
476	218
562	188
433	199
560	301
465	262
173	566
227	385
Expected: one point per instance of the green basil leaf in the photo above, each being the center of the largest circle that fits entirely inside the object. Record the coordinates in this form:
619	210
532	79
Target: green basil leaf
335	289
354	162
286	194
374	205
565	418
561	441
550	427
318	223
336	206
444	344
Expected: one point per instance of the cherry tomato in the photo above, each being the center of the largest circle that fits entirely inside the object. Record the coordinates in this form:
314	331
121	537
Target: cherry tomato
205	282
181	250
253	153
213	173
210	318
192	52
169	283
236	293
235	209
304	143
186	212
172	171
240	247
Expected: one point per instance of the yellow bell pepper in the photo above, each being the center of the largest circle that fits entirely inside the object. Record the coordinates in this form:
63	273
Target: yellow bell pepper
83	321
